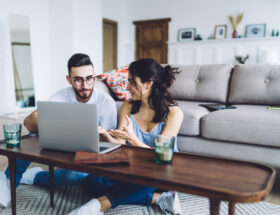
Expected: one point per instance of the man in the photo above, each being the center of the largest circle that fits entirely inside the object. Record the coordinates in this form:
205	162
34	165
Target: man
81	77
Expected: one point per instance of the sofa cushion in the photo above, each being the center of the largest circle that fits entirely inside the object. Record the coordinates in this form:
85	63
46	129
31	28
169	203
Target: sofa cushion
202	82
230	150
250	124
255	84
117	81
192	115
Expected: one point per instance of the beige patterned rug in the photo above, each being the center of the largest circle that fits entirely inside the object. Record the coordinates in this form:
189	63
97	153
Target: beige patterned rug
34	200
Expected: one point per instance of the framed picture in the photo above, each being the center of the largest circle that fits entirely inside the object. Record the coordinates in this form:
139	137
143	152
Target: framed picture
257	30
220	32
185	34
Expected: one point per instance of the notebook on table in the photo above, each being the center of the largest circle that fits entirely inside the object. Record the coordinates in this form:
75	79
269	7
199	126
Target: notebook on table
70	127
94	158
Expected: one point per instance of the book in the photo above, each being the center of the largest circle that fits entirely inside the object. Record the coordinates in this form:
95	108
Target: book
83	157
214	107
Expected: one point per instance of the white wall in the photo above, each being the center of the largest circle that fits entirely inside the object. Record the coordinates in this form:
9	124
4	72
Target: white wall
203	15
61	42
79	29
87	30
58	29
39	26
116	10
61	27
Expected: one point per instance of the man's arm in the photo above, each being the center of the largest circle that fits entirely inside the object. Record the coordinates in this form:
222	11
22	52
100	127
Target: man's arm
31	122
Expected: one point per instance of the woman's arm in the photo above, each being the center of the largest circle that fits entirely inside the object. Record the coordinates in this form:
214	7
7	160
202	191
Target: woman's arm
125	109
173	122
127	133
125	130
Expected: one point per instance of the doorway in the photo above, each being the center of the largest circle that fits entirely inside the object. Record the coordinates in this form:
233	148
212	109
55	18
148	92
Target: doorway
151	39
110	45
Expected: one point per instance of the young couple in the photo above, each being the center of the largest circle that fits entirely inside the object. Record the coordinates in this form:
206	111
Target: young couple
151	112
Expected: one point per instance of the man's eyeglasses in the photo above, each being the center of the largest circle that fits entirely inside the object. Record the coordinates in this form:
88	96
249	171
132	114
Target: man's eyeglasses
79	81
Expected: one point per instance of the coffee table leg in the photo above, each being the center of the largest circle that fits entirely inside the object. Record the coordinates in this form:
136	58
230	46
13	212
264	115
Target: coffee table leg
214	206
231	208
12	167
51	170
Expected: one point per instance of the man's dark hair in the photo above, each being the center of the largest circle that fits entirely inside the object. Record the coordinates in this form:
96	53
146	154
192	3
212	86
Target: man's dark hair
77	60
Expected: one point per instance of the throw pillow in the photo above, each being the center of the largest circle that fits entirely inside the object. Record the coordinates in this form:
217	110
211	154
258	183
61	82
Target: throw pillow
117	82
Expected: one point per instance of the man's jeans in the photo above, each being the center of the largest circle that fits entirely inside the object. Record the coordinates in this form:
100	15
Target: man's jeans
61	177
118	192
21	166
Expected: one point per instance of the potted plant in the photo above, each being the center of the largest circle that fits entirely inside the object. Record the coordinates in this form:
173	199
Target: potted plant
235	23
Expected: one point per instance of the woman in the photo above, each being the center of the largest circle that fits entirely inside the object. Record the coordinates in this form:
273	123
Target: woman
151	112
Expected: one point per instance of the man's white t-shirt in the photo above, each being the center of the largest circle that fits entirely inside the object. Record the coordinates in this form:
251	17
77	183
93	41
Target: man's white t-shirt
106	106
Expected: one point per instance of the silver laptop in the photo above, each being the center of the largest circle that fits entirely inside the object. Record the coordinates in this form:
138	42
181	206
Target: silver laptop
70	127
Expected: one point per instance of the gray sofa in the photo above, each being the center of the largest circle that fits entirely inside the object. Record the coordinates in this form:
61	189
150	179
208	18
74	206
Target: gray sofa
251	132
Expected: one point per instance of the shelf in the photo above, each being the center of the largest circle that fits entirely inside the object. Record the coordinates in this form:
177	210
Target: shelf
192	42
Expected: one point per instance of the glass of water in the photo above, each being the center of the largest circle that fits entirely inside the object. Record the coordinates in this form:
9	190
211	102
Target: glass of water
164	147
12	133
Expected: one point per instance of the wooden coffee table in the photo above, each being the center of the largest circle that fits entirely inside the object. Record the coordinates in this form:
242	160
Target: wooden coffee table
215	178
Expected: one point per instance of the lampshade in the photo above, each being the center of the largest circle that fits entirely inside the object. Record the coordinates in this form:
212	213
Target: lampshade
269	56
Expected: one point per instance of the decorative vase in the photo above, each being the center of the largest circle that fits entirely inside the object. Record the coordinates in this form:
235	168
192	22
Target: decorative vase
234	34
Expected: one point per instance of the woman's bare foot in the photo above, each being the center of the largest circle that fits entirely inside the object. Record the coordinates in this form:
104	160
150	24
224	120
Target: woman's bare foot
155	196
105	203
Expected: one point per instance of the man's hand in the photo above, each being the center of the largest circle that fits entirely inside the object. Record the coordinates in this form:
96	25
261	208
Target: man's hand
31	122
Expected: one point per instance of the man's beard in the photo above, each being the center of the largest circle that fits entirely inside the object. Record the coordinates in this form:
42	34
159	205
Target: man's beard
80	95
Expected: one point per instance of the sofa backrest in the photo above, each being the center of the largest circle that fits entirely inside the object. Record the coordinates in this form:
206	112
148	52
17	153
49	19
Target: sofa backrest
102	86
208	83
255	84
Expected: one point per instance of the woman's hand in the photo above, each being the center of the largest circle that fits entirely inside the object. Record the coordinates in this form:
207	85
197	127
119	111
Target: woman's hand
126	132
106	136
101	130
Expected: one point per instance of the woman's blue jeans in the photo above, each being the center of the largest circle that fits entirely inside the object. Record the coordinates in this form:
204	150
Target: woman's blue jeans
117	192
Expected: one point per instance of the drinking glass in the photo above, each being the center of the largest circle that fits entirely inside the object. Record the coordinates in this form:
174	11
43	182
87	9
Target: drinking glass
12	133
164	147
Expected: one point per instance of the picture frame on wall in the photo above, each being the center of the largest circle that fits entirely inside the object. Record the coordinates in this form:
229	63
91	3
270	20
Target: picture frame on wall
186	34
220	32
255	30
